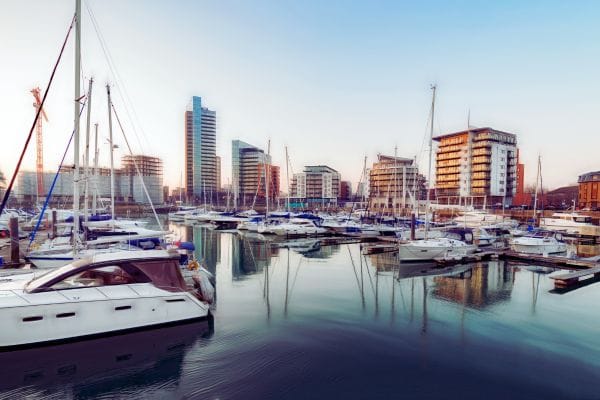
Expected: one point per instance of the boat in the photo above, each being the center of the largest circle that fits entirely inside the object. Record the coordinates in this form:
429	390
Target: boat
182	211
105	294
570	223
434	249
481	218
471	235
539	242
429	249
297	227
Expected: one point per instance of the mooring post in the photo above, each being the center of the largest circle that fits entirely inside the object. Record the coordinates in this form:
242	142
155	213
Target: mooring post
413	222
53	224
14	240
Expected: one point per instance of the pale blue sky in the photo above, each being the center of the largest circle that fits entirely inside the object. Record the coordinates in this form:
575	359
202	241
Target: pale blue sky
334	81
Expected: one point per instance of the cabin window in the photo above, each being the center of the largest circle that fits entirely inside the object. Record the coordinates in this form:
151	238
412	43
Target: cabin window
100	276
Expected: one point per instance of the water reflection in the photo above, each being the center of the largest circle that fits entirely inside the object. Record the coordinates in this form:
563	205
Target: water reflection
485	285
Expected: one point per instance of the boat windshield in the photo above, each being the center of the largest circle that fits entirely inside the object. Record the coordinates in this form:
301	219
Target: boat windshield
164	274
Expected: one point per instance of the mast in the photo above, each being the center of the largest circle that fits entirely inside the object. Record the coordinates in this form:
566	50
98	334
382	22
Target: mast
95	170
267	172
86	163
287	178
433	88
537	178
112	161
76	129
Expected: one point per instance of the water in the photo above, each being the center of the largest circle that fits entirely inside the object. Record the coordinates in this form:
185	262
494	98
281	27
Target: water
329	323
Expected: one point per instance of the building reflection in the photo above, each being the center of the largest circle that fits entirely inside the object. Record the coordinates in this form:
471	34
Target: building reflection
487	284
208	246
250	255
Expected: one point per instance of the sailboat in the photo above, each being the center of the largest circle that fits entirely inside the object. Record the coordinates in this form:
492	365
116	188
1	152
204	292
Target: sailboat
100	236
430	249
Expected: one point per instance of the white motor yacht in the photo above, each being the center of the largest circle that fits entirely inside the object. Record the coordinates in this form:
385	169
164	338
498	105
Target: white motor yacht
480	218
179	215
433	249
298	227
570	223
102	295
539	242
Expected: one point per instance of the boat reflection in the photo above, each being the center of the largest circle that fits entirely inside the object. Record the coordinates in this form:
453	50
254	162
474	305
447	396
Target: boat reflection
151	357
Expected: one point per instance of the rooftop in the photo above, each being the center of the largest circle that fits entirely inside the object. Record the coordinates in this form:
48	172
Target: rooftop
473	130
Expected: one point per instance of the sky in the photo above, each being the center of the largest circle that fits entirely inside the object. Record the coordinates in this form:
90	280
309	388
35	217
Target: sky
334	81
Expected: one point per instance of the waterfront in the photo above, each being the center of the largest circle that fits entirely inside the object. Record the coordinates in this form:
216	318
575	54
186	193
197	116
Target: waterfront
329	323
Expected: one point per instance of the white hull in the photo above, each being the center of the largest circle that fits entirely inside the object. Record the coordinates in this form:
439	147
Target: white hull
429	250
541	249
85	313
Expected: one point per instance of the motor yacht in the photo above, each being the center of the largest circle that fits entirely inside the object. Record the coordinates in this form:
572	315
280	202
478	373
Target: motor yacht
570	223
539	242
106	294
297	227
433	249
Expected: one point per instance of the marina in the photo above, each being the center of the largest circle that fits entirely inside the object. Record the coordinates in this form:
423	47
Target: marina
315	315
245	208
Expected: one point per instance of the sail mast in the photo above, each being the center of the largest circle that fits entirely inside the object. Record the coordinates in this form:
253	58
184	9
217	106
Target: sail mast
433	88
112	162
95	171
77	97
86	162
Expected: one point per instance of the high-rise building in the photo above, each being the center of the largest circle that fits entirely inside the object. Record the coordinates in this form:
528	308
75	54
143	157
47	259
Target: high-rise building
248	169
218	172
200	150
477	163
317	185
393	183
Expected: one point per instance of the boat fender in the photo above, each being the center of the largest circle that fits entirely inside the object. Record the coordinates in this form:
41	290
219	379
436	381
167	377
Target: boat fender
203	285
193	265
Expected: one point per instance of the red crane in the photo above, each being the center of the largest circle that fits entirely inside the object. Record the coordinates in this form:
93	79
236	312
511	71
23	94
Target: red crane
39	159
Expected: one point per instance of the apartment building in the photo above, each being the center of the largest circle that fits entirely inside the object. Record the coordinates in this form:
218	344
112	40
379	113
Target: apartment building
480	164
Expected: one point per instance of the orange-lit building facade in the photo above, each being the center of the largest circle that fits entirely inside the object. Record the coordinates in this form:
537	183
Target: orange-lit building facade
589	190
478	163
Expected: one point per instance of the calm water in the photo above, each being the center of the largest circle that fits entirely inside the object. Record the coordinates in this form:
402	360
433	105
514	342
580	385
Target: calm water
310	323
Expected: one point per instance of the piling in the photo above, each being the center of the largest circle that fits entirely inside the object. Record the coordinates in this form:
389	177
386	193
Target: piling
53	224
14	240
413	222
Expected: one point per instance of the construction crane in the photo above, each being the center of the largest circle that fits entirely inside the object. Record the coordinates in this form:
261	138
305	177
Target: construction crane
39	159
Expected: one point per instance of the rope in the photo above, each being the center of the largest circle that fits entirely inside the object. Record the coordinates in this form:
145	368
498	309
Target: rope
37	116
136	167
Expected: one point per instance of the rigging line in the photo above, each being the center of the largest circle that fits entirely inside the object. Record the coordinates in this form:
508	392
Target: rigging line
295	277
37	116
369	272
136	167
353	266
125	98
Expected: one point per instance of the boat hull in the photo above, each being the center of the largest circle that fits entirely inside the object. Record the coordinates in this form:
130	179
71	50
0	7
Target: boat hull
77	314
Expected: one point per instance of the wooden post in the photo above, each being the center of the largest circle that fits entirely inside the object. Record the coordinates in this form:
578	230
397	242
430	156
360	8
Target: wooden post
413	222
14	240
53	224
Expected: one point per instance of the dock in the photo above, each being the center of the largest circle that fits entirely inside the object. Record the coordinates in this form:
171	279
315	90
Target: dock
575	279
